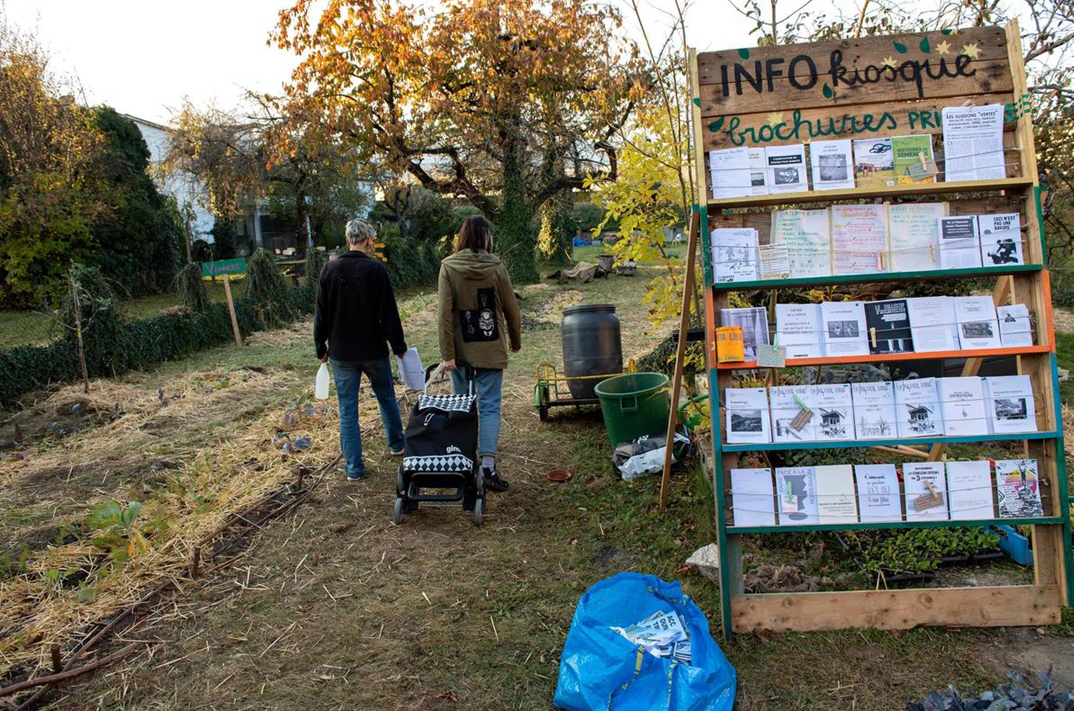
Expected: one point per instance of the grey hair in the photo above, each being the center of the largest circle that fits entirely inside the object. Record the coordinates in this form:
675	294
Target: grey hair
358	231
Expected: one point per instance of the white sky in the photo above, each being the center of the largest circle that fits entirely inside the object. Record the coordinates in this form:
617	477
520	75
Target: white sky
143	56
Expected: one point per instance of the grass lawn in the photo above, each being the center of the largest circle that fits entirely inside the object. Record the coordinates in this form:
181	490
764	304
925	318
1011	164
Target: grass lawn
23	328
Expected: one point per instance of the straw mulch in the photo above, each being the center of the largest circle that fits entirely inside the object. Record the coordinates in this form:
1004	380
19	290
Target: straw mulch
191	499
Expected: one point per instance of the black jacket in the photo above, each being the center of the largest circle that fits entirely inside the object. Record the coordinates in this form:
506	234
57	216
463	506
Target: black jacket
356	310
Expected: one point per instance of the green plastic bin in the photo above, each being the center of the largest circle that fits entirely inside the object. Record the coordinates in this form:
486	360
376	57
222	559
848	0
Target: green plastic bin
633	405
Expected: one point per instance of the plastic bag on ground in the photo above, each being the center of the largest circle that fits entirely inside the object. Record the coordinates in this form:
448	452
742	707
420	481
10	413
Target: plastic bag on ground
645	456
602	670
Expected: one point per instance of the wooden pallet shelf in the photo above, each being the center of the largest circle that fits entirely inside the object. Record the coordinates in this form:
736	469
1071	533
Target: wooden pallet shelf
783	113
895	191
839	444
875	277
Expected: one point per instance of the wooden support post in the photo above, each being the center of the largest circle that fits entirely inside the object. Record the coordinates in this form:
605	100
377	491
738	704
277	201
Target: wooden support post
231	311
76	307
680	353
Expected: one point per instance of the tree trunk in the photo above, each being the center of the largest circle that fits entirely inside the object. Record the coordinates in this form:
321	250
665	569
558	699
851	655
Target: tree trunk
514	219
557	230
302	213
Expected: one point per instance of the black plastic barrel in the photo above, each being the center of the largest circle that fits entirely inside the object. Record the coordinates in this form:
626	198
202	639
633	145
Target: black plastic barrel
592	346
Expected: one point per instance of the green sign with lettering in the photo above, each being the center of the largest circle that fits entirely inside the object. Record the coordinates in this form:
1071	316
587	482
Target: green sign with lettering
233	266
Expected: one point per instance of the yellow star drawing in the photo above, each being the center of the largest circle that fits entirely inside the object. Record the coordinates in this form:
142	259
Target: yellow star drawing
888	62
972	50
943	47
776	117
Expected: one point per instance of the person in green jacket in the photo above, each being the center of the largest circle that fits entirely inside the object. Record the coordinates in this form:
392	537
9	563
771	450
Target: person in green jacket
478	317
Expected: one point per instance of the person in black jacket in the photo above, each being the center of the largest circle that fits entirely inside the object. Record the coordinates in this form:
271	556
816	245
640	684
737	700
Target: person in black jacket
357	316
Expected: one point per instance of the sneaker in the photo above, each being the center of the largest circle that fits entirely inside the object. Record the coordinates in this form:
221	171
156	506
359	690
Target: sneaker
395	453
493	481
355	478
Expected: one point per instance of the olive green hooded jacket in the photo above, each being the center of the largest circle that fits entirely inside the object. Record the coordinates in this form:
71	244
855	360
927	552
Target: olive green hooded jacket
478	312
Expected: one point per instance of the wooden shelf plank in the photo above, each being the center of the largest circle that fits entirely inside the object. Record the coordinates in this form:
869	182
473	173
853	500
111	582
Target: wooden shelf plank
910	189
881	358
833	444
873	526
877	277
897	609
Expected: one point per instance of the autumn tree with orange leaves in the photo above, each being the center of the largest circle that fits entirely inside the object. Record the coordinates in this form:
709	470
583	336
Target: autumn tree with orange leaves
506	103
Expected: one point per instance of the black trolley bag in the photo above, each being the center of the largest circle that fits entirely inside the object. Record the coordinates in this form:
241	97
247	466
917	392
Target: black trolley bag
440	463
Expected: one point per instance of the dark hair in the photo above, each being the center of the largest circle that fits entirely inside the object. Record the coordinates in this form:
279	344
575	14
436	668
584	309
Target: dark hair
475	234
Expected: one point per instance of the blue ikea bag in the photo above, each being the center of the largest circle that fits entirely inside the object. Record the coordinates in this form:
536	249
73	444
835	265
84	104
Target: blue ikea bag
602	670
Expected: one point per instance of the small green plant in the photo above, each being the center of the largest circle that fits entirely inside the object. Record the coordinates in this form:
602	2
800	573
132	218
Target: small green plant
116	530
917	551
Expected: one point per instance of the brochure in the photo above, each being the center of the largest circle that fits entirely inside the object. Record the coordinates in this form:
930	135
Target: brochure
836	501
933	324
747	415
888	326
973	143
960	246
913	231
1015	328
833	164
962	403
1018	489
918	408
807	235
787	172
874	410
969	490
833	407
752	497
874	163
879	498
791	422
914	162
926	495
754	323
859	239
1001	239
844	328
978	327
775	262
796	495
1011	407
798	328
734	254
730	172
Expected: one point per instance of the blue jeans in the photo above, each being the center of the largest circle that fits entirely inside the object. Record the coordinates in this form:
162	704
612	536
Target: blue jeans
488	386
348	378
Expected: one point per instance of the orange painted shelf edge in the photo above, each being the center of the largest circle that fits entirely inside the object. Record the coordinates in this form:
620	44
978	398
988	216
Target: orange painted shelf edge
912	356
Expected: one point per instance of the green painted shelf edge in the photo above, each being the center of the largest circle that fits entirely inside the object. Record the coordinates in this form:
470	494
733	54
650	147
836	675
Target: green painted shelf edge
832	444
865	526
878	277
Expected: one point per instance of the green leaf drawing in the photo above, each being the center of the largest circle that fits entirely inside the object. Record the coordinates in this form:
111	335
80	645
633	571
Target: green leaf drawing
697	101
716	125
828	93
945	31
900	47
744	53
925	46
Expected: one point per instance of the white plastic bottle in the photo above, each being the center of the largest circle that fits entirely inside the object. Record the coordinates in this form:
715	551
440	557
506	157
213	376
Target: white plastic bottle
321	391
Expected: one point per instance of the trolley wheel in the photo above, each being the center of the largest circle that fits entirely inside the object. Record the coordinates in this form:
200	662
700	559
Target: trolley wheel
479	511
479	483
399	485
542	413
398	510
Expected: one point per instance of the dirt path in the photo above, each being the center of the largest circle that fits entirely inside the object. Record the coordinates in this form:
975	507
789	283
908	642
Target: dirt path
337	607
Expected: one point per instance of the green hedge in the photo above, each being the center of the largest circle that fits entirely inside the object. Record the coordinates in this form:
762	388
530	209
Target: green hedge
141	344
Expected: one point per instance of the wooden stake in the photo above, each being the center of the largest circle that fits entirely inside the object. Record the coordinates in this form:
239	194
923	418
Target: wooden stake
231	310
77	305
680	351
